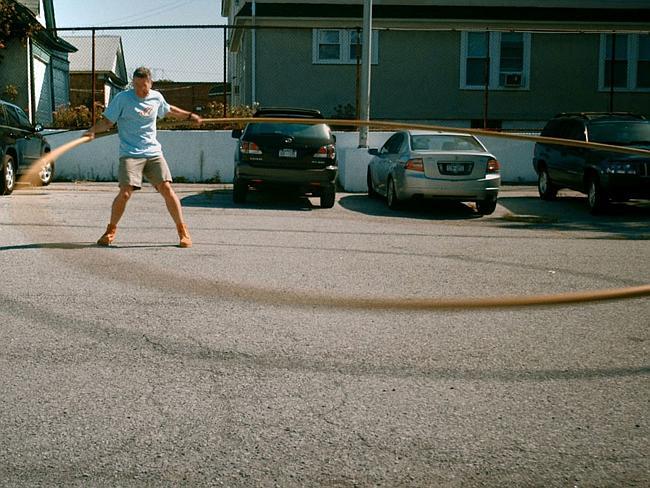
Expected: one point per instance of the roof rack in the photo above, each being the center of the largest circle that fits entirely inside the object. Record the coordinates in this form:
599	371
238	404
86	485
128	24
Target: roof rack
597	115
306	113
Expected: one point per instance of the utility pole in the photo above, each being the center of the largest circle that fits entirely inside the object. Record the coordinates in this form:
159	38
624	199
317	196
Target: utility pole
366	59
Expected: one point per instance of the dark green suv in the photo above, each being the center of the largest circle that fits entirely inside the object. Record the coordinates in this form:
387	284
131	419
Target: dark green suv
603	175
300	156
21	145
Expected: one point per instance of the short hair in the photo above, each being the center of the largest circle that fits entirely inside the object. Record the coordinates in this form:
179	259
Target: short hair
142	72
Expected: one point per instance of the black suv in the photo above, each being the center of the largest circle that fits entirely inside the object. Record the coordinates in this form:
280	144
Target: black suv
295	155
602	175
20	146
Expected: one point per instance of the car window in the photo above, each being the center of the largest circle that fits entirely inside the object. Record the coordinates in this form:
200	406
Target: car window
3	116
575	129
386	148
17	117
552	129
444	142
620	132
299	130
395	143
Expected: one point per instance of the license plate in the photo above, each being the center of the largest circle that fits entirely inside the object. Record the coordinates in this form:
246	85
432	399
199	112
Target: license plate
455	168
287	153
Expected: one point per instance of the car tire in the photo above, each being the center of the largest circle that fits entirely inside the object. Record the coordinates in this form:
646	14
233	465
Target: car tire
239	191
7	175
328	197
371	191
391	195
45	175
547	190
487	206
597	198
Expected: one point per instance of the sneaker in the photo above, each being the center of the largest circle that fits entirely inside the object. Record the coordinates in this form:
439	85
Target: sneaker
108	237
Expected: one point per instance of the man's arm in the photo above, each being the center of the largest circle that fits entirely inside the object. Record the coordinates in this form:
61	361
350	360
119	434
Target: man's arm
101	126
179	113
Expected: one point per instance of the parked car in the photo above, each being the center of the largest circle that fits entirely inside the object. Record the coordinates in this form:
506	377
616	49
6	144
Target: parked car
290	155
21	146
439	165
602	175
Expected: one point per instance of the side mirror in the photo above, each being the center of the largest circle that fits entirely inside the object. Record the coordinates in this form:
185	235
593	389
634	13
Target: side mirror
38	128
373	152
334	137
236	133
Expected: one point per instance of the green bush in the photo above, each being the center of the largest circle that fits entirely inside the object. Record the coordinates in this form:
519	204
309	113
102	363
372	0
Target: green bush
66	117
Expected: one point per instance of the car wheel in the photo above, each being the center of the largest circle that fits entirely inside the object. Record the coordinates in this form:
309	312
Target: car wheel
596	196
45	175
239	190
487	206
547	190
7	175
391	195
328	197
371	191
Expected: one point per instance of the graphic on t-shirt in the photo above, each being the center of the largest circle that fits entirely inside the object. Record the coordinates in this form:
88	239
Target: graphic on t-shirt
146	112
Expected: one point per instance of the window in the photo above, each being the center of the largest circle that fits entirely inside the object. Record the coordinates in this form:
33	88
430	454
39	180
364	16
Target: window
339	46
508	66
17	117
625	62
393	145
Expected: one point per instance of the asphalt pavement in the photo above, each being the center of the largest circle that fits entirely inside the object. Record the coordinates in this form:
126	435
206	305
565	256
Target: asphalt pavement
144	364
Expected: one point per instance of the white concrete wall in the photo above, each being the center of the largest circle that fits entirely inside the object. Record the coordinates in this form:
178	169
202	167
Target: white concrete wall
199	156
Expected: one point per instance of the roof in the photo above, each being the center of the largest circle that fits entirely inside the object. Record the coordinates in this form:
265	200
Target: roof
107	49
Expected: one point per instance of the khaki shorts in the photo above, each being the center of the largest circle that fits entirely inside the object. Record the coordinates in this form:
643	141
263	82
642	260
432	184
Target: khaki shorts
154	169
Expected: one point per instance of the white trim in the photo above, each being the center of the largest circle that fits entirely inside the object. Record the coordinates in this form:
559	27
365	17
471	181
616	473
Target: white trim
344	47
632	58
495	64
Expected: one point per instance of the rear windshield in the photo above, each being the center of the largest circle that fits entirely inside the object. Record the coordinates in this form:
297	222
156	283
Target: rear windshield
432	142
620	132
296	130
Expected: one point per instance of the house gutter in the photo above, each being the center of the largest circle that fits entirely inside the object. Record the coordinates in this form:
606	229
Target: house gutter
366	71
254	57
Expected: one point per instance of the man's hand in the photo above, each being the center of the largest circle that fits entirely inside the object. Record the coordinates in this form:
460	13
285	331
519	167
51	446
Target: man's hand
196	118
102	126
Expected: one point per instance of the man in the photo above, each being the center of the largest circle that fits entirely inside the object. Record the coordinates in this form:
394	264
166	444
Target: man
135	112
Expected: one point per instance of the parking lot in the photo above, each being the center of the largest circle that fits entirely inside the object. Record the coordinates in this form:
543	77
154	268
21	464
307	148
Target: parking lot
146	364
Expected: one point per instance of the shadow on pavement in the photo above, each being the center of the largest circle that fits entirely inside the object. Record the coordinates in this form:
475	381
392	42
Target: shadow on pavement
630	220
77	245
49	245
424	209
267	200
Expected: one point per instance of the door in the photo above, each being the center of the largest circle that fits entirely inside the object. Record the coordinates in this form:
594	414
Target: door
28	144
388	155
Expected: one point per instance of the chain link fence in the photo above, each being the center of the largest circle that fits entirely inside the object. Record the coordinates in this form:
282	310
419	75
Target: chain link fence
189	67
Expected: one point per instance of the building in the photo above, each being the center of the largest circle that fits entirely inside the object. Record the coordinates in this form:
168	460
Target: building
110	69
192	95
38	69
510	63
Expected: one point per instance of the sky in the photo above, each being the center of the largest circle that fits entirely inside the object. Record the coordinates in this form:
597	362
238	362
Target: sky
179	55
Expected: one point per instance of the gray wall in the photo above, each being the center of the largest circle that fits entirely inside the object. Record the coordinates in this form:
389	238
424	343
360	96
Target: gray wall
417	78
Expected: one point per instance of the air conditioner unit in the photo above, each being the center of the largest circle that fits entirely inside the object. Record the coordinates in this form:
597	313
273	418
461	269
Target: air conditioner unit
513	79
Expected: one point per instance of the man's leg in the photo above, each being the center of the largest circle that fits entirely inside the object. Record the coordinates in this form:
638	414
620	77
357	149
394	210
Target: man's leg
175	210
117	210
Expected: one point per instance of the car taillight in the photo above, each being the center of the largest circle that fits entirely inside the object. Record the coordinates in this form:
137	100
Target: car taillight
249	148
416	164
326	152
492	166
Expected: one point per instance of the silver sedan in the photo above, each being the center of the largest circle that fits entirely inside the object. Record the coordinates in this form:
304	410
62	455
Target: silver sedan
443	165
